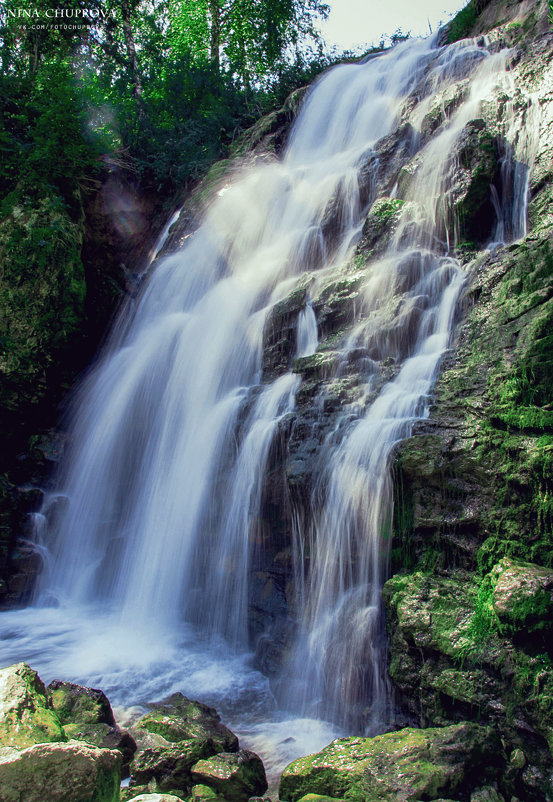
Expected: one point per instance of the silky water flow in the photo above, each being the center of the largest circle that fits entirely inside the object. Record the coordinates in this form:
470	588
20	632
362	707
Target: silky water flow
145	536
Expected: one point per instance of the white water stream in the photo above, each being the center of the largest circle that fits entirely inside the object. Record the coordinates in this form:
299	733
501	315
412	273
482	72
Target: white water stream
149	527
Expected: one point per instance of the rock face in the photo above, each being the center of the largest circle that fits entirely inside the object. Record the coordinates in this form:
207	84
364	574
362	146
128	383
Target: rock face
59	772
399	766
469	609
27	716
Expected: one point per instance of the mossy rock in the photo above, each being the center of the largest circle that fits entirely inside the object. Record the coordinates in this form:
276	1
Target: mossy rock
234	775
522	595
381	222
434	612
155	798
76	704
86	715
487	794
399	766
319	798
105	737
27	716
60	772
170	766
179	719
198	792
319	365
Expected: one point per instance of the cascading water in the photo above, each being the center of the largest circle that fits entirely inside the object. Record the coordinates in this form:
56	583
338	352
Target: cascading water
338	669
152	522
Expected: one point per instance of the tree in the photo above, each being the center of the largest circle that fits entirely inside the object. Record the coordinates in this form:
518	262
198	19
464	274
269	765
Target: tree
246	37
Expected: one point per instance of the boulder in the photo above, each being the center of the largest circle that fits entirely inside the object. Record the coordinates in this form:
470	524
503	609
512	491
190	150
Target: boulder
204	792
170	766
27	716
522	595
60	772
156	798
409	764
235	775
77	704
319	798
86	715
487	794
179	719
105	737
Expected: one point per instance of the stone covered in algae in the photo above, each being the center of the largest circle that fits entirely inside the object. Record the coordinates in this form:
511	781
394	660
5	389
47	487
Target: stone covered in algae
235	775
522	595
170	766
179	719
155	798
409	764
26	713
59	772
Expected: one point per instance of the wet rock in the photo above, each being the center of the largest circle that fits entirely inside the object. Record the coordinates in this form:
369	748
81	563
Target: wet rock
179	719
76	704
86	715
198	792
106	737
236	776
155	798
487	794
523	595
26	564
399	766
381	222
336	303
27	716
319	798
170	766
60	772
279	335
450	659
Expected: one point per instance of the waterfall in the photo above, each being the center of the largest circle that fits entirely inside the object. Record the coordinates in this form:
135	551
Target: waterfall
152	521
338	666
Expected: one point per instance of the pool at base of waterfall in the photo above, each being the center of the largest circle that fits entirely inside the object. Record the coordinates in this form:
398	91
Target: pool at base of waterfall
139	663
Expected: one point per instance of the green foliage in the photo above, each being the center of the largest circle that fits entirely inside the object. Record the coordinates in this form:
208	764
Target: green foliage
68	98
41	289
484	622
137	89
461	25
387	208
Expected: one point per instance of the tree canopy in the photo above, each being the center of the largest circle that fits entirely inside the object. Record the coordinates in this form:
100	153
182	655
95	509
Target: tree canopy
166	83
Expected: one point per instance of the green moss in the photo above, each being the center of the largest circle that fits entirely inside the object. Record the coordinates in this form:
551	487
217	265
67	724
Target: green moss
27	717
387	208
318	365
409	764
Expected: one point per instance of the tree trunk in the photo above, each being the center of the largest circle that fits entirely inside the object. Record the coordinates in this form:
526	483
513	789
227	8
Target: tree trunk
215	32
133	60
